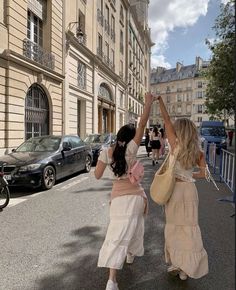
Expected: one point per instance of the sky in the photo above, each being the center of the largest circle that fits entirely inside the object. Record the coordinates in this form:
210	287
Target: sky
179	29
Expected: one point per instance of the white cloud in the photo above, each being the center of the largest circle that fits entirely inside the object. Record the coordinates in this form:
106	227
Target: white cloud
224	1
159	60
165	16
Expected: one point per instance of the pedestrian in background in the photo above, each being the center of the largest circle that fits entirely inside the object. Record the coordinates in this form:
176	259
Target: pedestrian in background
156	145
147	142
184	250
124	238
163	143
230	135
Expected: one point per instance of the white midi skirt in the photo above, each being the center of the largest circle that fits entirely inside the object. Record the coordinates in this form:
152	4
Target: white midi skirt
183	241
125	231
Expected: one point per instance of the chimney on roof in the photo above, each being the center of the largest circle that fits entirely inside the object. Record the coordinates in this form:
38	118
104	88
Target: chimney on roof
178	66
198	62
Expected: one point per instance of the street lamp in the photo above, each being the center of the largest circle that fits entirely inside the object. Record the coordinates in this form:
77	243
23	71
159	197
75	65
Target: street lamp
79	32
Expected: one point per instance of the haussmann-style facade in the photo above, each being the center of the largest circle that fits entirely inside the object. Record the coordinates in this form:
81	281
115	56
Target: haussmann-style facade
71	67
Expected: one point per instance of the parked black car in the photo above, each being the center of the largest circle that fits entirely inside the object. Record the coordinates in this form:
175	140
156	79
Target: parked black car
40	161
98	142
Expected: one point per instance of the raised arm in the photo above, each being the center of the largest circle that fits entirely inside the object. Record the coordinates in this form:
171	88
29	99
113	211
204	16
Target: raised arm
201	173
169	128
144	118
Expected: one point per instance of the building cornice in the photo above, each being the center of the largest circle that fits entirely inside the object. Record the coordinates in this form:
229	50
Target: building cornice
30	64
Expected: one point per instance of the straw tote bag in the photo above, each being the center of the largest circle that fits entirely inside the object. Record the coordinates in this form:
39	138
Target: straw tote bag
164	180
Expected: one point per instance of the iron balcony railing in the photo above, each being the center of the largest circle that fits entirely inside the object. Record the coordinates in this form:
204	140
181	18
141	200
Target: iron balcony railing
100	17
105	59
37	53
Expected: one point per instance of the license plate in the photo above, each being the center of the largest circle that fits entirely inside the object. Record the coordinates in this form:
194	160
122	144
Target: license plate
7	177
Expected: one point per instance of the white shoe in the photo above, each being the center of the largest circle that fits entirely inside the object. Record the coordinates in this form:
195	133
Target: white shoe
111	285
172	270
183	275
130	259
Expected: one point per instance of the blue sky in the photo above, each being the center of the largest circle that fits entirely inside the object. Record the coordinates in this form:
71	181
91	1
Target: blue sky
179	29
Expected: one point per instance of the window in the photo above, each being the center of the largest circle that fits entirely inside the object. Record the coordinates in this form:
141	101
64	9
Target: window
81	75
121	67
107	50
179	109
107	19
99	44
100	5
179	99
121	13
121	99
199	95
34	28
76	141
199	119
168	99
121	42
113	56
36	112
188	108
199	108
113	28
199	84
81	21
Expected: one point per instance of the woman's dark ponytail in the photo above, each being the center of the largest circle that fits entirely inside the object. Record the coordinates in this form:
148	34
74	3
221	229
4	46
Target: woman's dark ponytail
124	136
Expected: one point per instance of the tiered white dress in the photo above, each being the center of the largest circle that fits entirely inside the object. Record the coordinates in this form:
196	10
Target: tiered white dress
183	241
126	228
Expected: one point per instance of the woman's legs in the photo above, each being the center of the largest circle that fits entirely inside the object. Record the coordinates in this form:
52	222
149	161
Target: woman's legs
154	156
112	274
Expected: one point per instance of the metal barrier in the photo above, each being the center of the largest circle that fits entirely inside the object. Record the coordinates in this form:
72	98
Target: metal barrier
227	173
223	167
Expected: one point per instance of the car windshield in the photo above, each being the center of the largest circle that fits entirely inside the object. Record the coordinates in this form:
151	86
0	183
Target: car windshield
103	138
40	144
213	131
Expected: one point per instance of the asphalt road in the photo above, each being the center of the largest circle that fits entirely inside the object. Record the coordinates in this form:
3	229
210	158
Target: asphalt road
50	240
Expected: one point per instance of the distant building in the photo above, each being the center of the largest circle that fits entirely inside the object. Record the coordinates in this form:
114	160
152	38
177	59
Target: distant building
183	91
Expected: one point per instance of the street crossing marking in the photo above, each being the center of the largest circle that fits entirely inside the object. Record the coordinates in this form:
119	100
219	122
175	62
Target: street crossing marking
75	182
15	201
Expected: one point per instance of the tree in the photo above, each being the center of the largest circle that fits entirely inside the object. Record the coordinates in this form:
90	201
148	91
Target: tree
220	101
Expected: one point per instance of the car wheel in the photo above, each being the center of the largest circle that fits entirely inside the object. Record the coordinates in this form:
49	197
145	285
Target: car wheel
49	177
88	163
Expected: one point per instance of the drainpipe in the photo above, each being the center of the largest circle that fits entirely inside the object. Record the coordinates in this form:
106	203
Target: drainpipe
63	66
7	83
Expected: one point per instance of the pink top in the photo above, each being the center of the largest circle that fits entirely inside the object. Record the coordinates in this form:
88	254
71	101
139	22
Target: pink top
122	185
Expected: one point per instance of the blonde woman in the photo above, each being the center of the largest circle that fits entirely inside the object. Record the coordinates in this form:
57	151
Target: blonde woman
184	250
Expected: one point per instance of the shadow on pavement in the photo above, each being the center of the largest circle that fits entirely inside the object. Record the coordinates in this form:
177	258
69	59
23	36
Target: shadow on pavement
82	273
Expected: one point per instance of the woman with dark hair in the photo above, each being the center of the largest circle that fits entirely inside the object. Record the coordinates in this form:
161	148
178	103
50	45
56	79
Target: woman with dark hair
163	143
156	145
124	238
147	142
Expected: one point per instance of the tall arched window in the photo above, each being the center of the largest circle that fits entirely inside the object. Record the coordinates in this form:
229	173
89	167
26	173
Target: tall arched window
36	112
105	92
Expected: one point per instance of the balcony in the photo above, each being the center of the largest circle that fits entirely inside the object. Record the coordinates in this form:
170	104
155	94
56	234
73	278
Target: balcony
113	35
35	52
100	17
107	27
105	59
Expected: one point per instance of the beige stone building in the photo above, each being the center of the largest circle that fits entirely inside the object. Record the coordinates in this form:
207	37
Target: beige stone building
71	67
103	90
183	91
31	70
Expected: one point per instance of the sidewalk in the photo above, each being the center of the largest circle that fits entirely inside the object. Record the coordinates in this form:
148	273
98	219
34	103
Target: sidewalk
217	227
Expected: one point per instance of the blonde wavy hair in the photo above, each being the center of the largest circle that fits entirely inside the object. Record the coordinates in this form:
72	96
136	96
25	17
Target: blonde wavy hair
188	141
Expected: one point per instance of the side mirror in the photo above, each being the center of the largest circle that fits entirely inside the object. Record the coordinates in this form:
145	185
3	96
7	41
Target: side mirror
66	146
13	150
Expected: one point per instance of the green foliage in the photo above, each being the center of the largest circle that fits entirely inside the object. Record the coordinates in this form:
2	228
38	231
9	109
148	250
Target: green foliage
220	100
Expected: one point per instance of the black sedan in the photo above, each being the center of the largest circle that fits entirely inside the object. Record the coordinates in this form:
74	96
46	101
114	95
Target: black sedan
98	142
40	161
